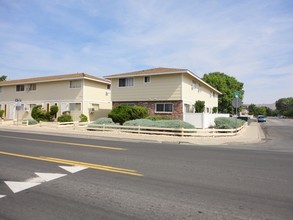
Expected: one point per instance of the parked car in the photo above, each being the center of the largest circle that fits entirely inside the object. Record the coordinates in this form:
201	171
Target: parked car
244	118
261	118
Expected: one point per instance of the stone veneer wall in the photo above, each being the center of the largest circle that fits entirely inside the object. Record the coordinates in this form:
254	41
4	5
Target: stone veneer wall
151	106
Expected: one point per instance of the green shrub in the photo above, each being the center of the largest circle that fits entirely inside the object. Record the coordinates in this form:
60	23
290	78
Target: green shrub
140	122
31	121
54	110
159	124
215	110
199	106
158	118
101	121
39	114
83	118
1	113
104	121
174	124
65	118
123	113
228	123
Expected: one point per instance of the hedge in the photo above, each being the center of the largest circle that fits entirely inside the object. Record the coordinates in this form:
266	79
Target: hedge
159	124
228	123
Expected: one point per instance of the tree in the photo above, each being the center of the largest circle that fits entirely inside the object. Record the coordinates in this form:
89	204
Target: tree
227	85
3	78
285	106
258	110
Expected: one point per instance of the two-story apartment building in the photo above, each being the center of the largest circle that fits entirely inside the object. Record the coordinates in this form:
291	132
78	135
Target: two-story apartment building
164	91
78	93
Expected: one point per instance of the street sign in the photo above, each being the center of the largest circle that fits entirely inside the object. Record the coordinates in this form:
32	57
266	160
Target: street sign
236	103
236	94
18	104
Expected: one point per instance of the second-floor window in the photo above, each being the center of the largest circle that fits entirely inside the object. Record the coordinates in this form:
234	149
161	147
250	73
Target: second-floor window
75	83
31	87
125	82
19	88
147	79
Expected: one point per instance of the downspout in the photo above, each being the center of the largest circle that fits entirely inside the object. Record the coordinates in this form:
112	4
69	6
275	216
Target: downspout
82	95
181	95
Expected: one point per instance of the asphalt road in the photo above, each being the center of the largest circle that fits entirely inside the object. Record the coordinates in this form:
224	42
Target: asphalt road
100	179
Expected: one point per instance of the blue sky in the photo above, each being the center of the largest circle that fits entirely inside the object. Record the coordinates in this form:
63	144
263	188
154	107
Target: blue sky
251	40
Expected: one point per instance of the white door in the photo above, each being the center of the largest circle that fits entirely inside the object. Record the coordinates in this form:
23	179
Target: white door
64	107
11	114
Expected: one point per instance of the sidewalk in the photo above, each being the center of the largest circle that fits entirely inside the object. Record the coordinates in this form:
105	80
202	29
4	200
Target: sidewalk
250	134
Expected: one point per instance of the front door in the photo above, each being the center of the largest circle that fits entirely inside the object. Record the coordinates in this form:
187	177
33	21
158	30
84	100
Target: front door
11	109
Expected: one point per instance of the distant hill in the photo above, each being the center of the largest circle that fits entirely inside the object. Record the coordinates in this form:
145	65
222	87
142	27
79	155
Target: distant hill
271	106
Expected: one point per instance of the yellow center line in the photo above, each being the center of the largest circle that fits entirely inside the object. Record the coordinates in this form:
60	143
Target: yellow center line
86	164
65	143
76	163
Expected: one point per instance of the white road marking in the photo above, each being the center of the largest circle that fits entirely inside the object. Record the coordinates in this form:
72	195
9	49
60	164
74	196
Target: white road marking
19	186
50	176
2	196
73	169
35	180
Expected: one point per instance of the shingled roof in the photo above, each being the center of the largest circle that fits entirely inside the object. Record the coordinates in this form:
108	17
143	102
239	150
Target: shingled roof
159	70
72	76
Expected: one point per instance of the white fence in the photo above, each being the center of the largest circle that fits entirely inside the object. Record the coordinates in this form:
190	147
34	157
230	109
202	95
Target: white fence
202	120
145	130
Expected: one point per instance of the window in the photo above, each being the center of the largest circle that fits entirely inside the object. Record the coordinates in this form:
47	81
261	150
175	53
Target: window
193	85
125	82
31	87
108	86
75	84
96	107
187	108
164	107
147	79
19	88
31	106
74	107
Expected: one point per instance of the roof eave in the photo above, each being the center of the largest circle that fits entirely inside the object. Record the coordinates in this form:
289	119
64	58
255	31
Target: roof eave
208	85
143	74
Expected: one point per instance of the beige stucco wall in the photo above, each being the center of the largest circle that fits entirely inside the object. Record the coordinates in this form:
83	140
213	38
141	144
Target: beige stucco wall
161	87
45	92
193	90
96	93
59	93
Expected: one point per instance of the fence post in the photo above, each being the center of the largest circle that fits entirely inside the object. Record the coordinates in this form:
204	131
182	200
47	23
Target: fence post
182	131
104	127
138	129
